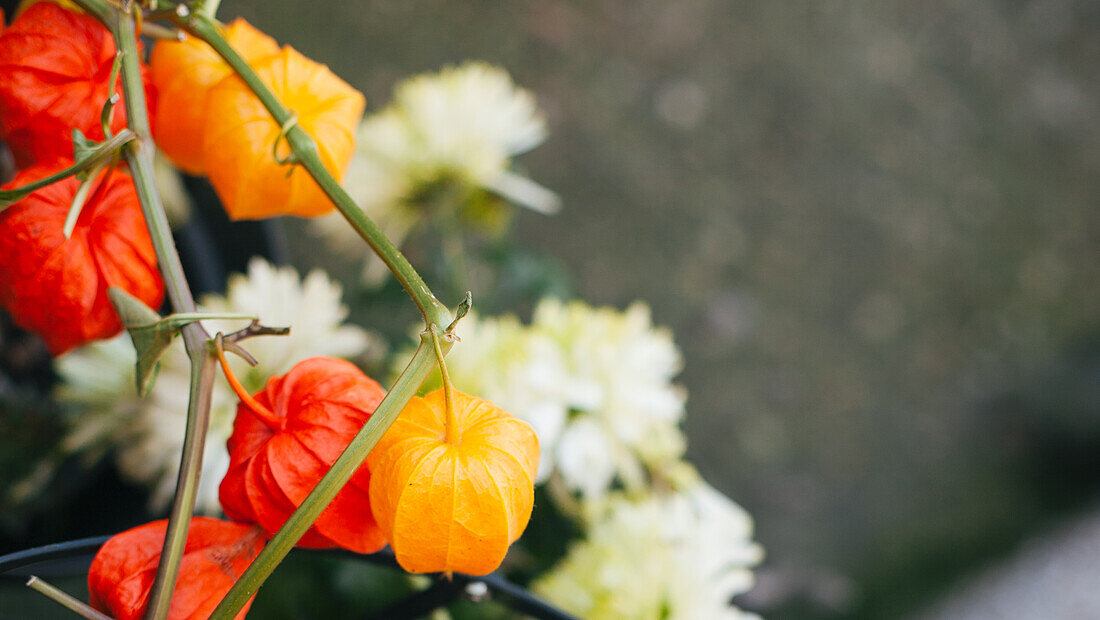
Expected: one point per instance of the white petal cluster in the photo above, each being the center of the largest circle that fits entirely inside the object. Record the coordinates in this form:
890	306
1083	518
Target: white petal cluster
679	556
464	125
464	122
147	433
595	383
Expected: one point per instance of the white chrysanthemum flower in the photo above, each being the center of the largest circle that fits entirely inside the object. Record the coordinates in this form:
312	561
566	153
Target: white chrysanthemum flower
147	434
680	556
465	121
595	383
463	124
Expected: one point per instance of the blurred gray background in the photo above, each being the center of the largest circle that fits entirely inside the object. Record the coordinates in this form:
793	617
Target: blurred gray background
872	226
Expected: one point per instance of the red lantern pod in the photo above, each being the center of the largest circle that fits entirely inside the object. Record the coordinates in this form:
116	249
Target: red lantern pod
288	437
57	287
54	67
215	555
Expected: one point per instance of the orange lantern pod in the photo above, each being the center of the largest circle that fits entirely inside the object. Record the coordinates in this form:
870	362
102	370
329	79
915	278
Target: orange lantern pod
54	67
452	496
287	437
240	137
216	553
57	287
184	72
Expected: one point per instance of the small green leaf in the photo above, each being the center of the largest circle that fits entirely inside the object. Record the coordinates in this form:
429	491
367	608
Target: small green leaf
462	310
83	149
150	336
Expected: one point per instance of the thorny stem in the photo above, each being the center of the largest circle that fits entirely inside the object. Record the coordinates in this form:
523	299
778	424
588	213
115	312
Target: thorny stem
452	434
304	150
65	599
139	155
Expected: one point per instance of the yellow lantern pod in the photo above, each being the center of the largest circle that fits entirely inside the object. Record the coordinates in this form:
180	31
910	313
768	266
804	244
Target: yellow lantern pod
184	72
240	137
458	505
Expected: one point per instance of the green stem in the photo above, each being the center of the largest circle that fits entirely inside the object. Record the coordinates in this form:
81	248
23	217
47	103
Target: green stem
101	154
421	364
65	599
304	149
187	485
451	433
139	156
210	7
79	198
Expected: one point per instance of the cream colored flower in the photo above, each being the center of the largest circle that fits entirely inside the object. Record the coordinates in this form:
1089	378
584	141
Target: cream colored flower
147	434
462	125
682	555
465	121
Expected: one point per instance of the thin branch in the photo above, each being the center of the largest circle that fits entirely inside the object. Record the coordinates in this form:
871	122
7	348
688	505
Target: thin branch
65	599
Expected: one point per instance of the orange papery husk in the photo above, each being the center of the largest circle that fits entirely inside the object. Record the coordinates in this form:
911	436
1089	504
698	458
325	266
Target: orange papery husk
318	406
216	553
240	136
54	67
184	72
453	507
57	287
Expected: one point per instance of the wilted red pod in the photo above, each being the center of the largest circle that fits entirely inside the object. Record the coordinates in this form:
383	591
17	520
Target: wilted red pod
216	553
287	438
54	67
57	287
452	492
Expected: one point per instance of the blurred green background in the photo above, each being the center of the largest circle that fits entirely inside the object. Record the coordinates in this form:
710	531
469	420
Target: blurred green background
872	226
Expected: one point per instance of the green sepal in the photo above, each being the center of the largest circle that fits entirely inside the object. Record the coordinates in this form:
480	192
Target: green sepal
83	148
153	334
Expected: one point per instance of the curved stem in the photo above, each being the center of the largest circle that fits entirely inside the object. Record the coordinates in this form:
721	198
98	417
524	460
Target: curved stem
330	484
451	432
263	413
304	148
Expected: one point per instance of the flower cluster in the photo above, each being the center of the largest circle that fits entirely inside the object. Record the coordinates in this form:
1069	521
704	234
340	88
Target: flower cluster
65	244
464	122
461	126
450	483
679	555
595	383
147	433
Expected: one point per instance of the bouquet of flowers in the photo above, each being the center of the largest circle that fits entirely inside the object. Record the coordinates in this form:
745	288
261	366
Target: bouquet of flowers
483	450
